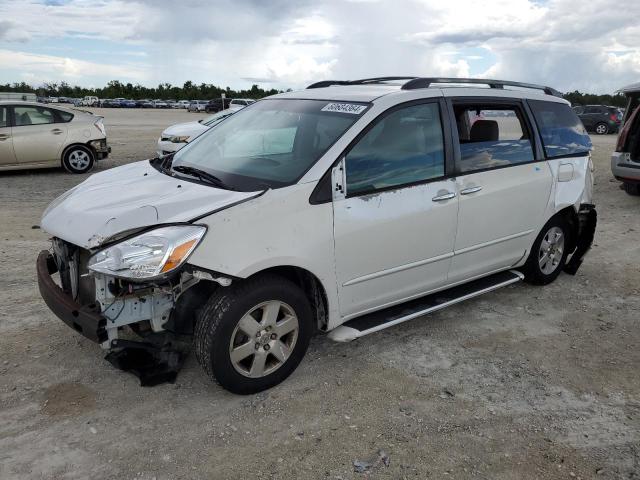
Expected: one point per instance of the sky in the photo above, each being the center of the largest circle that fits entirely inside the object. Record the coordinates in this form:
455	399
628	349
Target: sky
592	46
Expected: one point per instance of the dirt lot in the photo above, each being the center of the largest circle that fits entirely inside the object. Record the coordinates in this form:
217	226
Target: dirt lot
526	382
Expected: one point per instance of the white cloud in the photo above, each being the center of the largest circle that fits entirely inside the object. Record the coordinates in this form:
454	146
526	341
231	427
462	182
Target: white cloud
53	68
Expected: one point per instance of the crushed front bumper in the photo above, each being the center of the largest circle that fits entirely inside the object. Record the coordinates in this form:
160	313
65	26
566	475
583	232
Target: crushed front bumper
86	320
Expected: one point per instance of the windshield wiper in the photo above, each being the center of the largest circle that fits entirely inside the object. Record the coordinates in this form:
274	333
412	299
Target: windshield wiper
202	175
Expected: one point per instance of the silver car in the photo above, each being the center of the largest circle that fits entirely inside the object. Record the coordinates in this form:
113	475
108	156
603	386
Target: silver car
37	136
625	161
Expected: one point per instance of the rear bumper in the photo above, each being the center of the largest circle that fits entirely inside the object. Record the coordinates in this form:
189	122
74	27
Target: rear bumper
623	168
84	319
101	148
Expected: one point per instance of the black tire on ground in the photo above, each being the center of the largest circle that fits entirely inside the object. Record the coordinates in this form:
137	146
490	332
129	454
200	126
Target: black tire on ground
631	188
216	324
78	159
601	128
532	269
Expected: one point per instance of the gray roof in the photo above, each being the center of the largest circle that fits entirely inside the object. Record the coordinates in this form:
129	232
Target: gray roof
634	87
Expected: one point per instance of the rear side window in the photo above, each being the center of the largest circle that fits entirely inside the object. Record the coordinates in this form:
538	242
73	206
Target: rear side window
492	136
4	117
561	130
32	116
64	116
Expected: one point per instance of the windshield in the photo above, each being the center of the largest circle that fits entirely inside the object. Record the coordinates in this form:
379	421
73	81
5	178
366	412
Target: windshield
270	144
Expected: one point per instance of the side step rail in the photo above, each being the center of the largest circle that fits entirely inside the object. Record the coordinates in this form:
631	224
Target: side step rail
373	322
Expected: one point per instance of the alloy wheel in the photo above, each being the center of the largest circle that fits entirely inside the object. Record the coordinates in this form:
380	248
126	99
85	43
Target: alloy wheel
551	250
79	159
264	339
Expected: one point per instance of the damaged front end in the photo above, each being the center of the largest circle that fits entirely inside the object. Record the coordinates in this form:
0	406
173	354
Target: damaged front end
141	283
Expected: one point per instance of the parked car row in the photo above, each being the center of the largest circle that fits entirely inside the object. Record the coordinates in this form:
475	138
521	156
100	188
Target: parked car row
144	103
218	104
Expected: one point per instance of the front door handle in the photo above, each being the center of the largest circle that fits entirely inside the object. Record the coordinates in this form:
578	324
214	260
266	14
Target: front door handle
444	196
469	190
56	131
3	136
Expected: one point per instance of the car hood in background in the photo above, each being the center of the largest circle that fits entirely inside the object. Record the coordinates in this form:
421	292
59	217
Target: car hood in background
130	197
191	129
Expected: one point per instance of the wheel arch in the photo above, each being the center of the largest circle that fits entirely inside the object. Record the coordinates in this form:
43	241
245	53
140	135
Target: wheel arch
76	144
570	215
310	284
183	316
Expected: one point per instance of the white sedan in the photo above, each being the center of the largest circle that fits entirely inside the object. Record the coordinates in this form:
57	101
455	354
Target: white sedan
177	136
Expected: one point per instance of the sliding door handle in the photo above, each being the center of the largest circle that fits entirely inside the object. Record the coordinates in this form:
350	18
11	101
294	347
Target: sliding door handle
469	190
444	196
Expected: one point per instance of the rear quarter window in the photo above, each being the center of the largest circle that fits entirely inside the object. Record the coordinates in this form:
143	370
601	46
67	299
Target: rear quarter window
562	132
64	117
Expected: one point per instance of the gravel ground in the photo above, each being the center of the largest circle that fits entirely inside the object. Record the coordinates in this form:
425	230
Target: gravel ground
524	382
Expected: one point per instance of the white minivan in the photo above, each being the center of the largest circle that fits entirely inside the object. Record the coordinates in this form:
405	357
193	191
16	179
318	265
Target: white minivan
347	208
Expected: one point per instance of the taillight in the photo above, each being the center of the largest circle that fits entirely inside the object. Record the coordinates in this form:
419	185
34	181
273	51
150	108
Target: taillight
613	117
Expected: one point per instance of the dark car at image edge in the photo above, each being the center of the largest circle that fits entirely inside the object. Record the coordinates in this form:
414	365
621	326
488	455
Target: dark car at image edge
625	161
600	119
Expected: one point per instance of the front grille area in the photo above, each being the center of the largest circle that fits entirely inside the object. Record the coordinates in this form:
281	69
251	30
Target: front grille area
72	264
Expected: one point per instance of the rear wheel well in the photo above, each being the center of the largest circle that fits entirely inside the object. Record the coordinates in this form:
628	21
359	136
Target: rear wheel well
311	286
570	215
73	145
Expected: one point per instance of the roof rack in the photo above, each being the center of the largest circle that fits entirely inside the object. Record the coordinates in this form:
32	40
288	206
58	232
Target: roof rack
414	83
363	81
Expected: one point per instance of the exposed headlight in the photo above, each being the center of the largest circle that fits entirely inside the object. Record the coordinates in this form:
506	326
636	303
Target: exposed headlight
179	139
150	254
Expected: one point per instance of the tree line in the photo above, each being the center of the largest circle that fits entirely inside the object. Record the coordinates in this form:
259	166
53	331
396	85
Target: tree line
579	98
117	89
205	91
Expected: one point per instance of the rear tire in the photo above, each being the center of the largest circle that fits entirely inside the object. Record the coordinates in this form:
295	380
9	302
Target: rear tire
78	159
549	252
252	335
631	188
602	129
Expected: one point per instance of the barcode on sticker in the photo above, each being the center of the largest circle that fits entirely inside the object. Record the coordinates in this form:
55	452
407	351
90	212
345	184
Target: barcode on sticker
353	108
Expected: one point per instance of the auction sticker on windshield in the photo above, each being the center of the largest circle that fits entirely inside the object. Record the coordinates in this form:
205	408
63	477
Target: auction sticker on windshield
353	108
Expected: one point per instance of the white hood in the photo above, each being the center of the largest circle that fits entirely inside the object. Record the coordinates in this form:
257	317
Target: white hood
191	129
130	197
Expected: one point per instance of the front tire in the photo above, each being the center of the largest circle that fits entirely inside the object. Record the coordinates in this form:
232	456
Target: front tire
78	159
252	335
602	129
549	252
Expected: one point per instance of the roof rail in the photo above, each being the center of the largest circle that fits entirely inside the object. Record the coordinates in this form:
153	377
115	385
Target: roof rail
427	81
414	83
363	81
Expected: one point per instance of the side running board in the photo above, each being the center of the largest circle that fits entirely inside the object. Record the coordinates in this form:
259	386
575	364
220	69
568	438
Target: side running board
373	322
